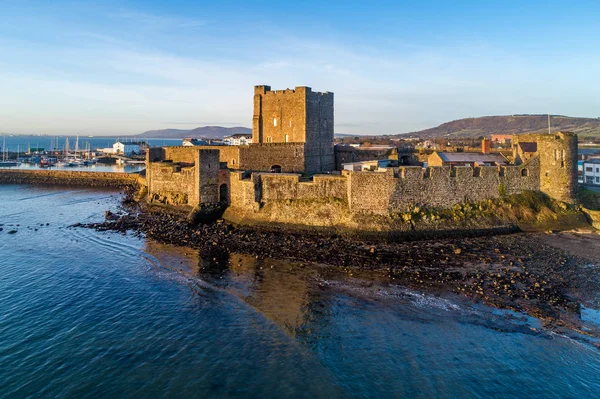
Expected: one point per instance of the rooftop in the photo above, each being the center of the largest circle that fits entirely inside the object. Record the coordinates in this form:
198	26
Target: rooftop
528	146
239	136
469	157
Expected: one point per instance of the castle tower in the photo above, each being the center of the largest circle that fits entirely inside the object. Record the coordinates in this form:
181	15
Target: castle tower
296	116
558	162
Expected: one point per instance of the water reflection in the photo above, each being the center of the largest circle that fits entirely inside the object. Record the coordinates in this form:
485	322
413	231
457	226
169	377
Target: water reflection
126	168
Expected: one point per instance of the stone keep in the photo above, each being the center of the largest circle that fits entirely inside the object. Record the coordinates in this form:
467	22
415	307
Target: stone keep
296	116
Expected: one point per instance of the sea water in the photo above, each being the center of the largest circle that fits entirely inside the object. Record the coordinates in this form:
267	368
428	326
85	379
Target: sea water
102	314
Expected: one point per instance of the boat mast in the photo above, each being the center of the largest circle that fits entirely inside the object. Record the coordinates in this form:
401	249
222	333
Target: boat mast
76	146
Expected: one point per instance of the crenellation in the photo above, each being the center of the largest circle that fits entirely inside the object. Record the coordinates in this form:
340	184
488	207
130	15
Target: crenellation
294	141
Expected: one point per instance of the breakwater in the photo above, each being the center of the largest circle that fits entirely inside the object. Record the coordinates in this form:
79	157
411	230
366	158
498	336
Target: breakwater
69	178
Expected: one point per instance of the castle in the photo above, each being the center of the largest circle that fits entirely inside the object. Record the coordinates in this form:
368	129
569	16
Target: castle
292	158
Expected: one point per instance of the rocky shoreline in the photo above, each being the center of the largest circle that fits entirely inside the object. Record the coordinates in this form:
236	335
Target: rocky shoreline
523	271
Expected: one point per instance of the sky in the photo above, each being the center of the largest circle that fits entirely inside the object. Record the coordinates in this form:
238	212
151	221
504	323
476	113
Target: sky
124	67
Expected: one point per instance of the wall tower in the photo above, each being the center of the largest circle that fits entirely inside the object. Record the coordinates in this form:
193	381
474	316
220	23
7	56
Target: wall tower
558	162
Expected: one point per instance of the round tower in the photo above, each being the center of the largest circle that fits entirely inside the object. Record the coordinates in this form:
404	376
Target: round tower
558	165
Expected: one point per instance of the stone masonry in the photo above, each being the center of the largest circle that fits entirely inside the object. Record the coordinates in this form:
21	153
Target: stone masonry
296	116
293	131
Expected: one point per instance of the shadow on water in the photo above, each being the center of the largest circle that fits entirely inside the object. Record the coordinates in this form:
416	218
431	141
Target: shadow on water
99	314
301	298
378	338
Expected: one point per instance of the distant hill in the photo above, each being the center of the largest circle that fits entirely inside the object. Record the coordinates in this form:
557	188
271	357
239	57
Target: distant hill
208	132
512	124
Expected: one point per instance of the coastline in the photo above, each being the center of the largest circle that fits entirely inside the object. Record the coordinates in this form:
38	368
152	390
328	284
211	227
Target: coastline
531	272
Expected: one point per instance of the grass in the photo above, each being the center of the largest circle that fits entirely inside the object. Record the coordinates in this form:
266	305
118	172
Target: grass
589	199
529	206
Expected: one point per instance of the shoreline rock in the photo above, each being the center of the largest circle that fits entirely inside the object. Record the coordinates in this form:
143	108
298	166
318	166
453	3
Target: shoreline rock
518	271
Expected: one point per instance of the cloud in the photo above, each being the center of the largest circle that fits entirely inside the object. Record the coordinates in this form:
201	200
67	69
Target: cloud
154	68
158	22
201	123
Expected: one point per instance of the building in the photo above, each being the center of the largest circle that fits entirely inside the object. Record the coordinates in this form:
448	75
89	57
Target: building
126	149
556	154
591	172
190	142
299	122
238	139
293	135
501	139
466	159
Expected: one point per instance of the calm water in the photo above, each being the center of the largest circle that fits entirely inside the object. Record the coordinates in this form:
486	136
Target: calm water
98	167
22	143
90	314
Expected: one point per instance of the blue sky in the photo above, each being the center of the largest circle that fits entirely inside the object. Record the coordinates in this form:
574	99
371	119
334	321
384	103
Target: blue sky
120	67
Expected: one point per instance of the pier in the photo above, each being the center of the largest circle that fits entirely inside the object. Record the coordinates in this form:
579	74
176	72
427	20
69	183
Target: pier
69	178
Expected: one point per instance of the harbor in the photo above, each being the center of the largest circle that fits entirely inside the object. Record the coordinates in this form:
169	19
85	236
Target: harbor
94	154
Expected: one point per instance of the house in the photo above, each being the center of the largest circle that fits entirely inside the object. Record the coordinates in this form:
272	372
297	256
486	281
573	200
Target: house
190	142
591	172
126	149
501	139
466	159
238	139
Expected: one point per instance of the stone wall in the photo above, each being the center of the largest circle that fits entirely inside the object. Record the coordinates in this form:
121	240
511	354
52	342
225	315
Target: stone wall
397	190
207	170
187	154
295	116
279	116
558	163
319	155
394	190
277	187
261	157
171	184
192	179
242	191
70	178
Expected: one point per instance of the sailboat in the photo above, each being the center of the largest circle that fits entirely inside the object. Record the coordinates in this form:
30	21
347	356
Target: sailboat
5	161
68	159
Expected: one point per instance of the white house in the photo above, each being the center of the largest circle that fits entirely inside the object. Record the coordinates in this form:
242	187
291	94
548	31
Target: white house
126	148
190	142
591	171
238	139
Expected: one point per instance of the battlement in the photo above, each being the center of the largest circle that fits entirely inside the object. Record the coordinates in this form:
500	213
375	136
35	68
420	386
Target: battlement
558	161
266	91
443	172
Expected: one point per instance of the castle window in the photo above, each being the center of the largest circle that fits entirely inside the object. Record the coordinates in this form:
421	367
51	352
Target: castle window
269	139
274	121
287	138
524	172
233	161
562	164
